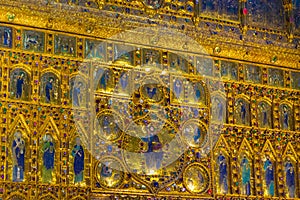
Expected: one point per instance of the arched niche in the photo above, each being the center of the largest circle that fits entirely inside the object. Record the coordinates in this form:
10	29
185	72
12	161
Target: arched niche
18	150
218	107
50	90
49	152
286	116
78	90
264	111
221	160
20	82
242	110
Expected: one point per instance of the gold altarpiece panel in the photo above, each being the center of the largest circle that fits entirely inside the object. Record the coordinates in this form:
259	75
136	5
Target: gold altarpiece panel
89	116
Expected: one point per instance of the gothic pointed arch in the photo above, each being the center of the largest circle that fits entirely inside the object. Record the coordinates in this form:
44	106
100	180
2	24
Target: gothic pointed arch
20	123
268	165
49	155
18	150
245	167
289	166
48	197
16	196
221	165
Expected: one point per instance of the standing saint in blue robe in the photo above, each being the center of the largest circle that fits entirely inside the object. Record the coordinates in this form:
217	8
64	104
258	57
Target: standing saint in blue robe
223	182
6	38
269	177
20	83
106	126
243	112
220	110
124	80
285	118
246	173
76	94
197	92
264	115
290	178
104	80
197	135
48	159
78	165
18	150
177	88
154	154
48	90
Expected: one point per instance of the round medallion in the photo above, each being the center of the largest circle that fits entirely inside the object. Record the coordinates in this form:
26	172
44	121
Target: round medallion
196	178
110	125
195	133
110	172
153	4
152	92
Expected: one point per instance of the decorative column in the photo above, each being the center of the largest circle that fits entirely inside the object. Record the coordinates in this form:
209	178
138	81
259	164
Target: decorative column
289	19
243	16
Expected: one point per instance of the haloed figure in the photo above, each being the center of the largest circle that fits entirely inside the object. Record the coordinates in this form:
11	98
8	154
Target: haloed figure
48	90
20	83
246	173
243	112
48	159
154	154
78	155
18	150
285	115
223	182
290	178
269	177
77	94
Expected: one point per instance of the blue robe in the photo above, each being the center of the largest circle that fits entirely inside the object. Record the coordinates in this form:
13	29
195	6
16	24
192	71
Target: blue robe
265	117
197	93
124	81
48	157
269	177
290	179
106	171
6	41
243	113
246	173
20	82
285	120
153	156
47	91
151	92
223	173
197	135
20	165
177	88
78	162
106	125
220	111
104	80
76	93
